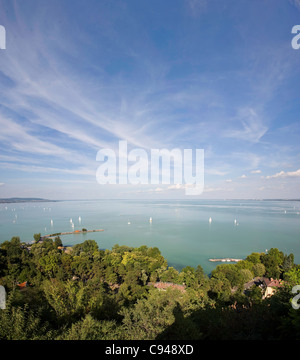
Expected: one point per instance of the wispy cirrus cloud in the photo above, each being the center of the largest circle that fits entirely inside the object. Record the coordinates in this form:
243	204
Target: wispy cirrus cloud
196	7
20	139
73	82
296	3
80	171
248	126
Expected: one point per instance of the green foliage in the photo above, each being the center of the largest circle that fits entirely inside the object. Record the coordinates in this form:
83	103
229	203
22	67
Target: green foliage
254	258
57	242
91	329
150	317
170	275
66	298
254	294
22	323
89	294
37	237
272	262
89	247
293	276
258	269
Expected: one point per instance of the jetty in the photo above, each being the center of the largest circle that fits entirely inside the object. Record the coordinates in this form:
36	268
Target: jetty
225	260
72	233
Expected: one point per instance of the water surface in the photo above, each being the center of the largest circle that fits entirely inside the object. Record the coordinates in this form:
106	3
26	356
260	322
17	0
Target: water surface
180	229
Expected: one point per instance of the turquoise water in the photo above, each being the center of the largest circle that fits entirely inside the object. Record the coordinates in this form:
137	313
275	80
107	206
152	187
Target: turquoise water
180	229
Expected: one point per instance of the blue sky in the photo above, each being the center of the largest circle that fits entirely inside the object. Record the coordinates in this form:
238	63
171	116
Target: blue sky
79	76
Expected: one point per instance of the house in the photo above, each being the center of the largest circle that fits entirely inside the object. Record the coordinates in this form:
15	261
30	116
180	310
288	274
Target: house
267	285
270	286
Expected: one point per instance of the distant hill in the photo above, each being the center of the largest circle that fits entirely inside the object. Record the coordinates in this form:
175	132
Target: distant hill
21	200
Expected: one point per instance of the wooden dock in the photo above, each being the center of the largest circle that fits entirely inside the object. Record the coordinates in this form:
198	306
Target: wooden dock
225	260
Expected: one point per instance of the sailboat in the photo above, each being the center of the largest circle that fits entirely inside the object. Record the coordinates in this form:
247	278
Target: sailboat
51	222
150	220
210	220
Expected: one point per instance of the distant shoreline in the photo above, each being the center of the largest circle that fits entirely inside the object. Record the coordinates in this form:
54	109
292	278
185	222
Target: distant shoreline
23	200
33	200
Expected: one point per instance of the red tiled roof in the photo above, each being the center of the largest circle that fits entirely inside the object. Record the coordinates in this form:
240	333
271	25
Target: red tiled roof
165	285
273	282
23	285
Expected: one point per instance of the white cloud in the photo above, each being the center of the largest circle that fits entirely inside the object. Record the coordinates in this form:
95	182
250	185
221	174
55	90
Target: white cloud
176	187
283	174
244	176
158	189
256	172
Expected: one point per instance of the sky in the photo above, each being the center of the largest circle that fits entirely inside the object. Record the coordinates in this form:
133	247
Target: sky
80	76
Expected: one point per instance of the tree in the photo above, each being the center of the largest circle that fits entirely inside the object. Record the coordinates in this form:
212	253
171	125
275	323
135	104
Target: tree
82	266
91	329
272	262
187	276
246	275
200	275
220	288
37	237
150	316
258	269
170	275
89	247
288	262
254	258
12	249
49	264
66	298
293	276
22	323
57	242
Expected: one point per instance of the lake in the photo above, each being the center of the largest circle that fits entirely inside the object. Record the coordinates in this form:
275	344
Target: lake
179	228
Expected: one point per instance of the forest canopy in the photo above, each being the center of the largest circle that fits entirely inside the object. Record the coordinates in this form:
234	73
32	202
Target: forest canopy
126	293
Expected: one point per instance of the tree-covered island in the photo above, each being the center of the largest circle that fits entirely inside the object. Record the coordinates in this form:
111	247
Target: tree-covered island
126	293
